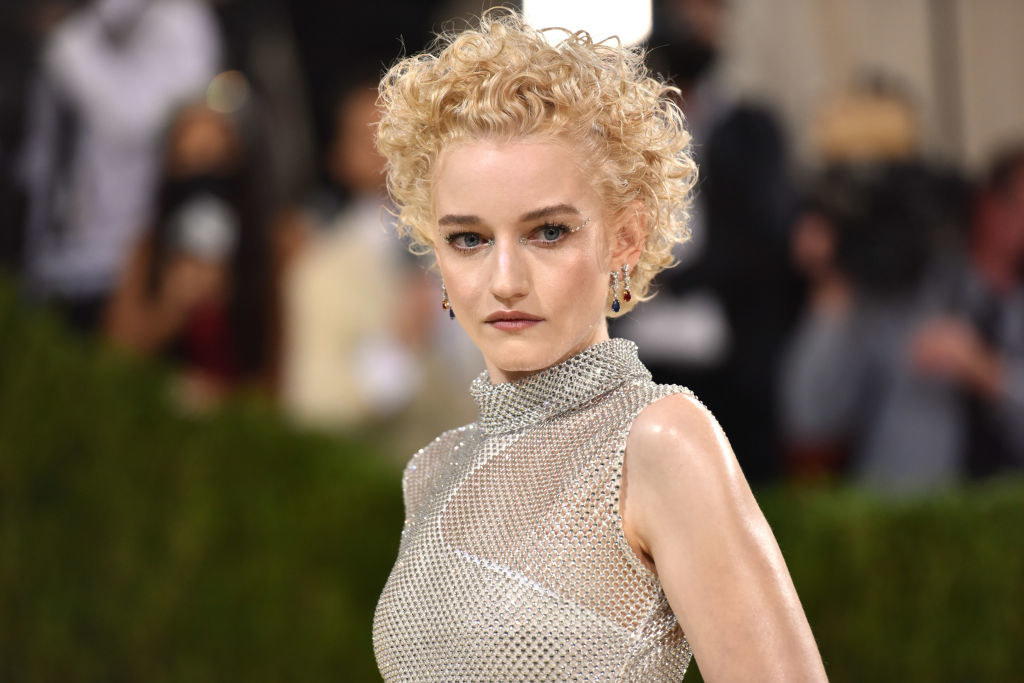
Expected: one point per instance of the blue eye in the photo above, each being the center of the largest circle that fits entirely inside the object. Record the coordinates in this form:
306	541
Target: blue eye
551	233
547	235
464	241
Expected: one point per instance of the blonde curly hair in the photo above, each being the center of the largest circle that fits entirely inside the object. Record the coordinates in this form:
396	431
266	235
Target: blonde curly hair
504	79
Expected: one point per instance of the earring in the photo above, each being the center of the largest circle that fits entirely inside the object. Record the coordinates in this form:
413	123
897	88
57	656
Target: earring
446	304
626	296
615	291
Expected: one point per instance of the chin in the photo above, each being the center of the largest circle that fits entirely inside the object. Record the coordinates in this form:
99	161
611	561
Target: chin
522	354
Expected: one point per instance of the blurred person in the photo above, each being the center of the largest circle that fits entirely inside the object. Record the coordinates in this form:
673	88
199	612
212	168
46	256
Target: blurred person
111	74
978	342
197	287
912	362
814	247
705	329
864	229
590	524
22	27
340	360
874	123
344	364
875	119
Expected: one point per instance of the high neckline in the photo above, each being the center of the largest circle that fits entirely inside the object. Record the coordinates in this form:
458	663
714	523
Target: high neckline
509	406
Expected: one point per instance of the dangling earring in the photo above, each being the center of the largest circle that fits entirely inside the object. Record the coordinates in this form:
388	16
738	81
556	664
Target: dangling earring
446	305
615	291
626	296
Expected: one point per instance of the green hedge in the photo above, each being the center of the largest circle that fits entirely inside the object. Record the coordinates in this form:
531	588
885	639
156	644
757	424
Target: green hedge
140	545
137	544
924	590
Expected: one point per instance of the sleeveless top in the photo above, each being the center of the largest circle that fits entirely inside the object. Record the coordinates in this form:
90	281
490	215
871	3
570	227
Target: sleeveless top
512	563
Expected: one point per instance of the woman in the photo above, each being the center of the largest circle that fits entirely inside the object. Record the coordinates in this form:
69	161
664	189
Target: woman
194	289
590	525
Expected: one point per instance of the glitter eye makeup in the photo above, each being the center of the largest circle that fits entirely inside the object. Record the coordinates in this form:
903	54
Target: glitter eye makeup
562	228
466	241
469	241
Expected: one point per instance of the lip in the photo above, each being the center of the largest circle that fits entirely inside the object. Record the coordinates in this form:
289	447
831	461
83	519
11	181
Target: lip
512	320
511	315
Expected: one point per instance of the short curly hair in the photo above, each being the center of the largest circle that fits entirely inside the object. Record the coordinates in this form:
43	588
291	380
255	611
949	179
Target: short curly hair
504	79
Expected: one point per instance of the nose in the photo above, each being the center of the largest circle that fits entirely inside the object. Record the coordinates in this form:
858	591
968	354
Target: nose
510	279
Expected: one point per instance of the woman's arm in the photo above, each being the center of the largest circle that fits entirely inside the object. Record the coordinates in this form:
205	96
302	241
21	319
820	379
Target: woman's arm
687	507
143	324
951	347
131	319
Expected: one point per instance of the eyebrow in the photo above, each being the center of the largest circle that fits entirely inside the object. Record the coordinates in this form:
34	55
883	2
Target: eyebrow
549	211
555	209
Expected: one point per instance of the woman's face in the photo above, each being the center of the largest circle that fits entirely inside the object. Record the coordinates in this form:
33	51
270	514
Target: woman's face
521	234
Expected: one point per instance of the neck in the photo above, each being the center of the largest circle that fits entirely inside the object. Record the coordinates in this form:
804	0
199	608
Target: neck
498	375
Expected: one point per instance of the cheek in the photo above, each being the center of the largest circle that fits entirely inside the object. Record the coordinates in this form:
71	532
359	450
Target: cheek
577	285
460	279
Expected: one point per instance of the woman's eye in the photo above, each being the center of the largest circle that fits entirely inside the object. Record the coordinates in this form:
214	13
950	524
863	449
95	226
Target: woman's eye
551	234
545	236
465	240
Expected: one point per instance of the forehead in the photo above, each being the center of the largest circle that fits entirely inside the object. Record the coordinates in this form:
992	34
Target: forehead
497	178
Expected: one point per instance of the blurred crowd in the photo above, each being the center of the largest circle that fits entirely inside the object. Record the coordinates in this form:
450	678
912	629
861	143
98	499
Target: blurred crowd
196	181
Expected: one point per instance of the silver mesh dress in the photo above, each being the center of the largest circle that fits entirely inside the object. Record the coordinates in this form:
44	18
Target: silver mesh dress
512	563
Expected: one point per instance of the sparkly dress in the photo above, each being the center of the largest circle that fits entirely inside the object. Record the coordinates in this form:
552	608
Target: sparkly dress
513	564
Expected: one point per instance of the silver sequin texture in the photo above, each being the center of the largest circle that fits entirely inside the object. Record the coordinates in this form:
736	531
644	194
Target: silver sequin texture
512	563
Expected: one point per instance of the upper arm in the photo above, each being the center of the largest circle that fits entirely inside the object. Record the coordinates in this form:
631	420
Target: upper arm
129	297
690	508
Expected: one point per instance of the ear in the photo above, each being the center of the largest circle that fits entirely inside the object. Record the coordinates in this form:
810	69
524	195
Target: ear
629	234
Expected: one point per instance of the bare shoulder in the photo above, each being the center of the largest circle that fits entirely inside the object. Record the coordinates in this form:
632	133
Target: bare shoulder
678	434
691	514
681	474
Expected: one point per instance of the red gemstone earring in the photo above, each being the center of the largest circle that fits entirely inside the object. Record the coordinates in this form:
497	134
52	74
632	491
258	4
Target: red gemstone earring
446	304
626	296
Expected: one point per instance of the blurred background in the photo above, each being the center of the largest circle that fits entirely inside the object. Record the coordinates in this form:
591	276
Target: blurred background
216	356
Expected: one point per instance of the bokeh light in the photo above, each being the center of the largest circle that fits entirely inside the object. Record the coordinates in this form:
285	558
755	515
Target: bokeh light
228	92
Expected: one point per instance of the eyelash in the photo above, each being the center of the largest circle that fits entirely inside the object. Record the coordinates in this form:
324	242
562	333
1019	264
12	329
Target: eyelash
545	244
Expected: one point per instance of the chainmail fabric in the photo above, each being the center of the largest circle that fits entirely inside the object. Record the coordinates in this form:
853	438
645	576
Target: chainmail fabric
513	565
